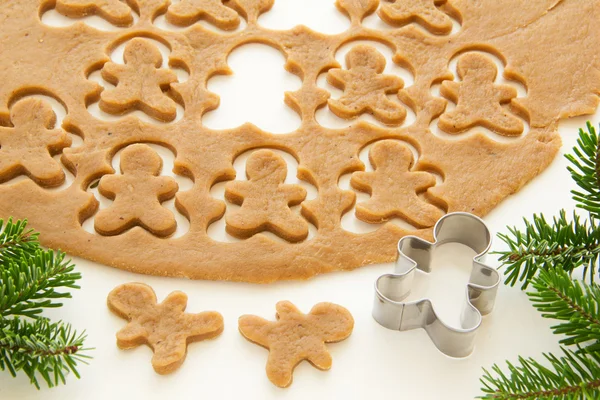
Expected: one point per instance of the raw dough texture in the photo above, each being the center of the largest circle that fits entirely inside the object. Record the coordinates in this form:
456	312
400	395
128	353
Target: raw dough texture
473	141
165	327
295	337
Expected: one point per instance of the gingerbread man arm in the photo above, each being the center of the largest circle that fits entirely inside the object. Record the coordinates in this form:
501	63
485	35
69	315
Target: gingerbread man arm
295	194
505	93
166	187
255	329
391	83
165	77
111	72
109	185
236	191
338	77
132	335
449	89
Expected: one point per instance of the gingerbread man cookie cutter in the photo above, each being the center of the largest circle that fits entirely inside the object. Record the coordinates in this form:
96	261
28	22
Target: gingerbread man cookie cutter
414	253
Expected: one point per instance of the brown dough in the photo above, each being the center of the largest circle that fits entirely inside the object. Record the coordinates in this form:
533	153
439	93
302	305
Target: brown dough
365	87
394	188
28	146
140	84
537	41
479	99
164	327
265	200
295	337
137	195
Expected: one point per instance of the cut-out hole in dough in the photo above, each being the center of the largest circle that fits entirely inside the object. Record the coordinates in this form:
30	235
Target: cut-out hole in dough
328	119
217	231
324	16
500	79
168	159
116	56
446	284
349	221
57	20
76	141
258	72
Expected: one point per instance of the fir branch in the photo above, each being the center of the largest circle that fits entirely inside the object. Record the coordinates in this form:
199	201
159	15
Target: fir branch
543	245
560	297
30	279
575	376
585	171
42	348
15	238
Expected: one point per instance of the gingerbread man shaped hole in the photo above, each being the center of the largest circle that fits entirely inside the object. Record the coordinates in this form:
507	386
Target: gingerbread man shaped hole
27	147
137	194
479	100
265	200
366	87
140	83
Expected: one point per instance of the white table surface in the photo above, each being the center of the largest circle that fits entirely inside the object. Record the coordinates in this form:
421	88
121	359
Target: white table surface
374	362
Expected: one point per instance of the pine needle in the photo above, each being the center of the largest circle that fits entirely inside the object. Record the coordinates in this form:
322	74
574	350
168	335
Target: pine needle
32	279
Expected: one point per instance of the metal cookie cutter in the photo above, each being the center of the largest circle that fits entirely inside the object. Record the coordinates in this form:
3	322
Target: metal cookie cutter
413	253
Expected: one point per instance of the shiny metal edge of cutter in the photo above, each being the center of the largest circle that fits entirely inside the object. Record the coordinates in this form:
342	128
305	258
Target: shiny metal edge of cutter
416	253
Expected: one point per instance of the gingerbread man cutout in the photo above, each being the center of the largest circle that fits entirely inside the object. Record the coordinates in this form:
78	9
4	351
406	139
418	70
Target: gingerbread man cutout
424	12
187	12
164	327
137	194
265	200
116	12
295	337
27	147
394	187
140	83
365	87
478	99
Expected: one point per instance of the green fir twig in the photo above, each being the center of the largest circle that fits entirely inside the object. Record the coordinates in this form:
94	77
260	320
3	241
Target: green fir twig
573	376
545	254
559	297
585	171
32	279
542	245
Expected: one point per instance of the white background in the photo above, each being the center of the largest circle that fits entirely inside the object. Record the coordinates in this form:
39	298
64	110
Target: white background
373	362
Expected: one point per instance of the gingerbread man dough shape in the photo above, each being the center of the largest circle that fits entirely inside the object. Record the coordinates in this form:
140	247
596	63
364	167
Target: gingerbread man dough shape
28	146
137	194
365	87
140	83
165	327
186	12
478	99
424	12
265	200
114	11
394	187
295	337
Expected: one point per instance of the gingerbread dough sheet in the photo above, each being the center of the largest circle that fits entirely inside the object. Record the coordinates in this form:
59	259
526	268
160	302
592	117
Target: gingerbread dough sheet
474	139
